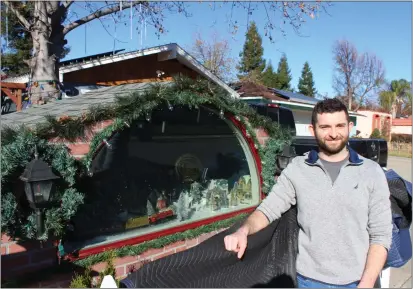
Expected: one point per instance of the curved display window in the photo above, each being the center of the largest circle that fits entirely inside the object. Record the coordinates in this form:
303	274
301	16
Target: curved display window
171	168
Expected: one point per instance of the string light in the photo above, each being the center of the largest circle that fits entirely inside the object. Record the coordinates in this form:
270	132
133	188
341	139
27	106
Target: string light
108	145
131	26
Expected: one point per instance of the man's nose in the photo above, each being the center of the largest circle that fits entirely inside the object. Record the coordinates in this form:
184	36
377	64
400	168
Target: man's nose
333	133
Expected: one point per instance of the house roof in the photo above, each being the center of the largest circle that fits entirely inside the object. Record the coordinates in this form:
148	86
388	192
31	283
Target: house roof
24	78
165	52
248	89
72	107
402	122
295	96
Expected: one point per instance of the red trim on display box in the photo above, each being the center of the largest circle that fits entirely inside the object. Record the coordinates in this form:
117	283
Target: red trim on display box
251	145
139	239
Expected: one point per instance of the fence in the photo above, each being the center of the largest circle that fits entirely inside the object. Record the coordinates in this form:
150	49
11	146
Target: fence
402	149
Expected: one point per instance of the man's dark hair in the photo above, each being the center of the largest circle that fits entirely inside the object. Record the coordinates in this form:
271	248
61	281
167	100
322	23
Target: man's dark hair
329	105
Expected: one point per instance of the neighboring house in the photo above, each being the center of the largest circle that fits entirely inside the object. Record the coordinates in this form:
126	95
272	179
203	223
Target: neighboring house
370	120
114	68
402	126
301	105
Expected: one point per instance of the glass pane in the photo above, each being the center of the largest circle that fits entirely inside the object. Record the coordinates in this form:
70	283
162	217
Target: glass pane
182	166
41	191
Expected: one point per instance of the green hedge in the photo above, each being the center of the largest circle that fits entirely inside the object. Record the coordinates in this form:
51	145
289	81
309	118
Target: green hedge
398	137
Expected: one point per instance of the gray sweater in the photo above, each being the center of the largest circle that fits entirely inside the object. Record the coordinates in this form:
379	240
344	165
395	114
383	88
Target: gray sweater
338	221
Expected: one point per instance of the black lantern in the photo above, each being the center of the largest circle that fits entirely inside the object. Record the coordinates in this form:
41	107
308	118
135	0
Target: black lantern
38	178
285	158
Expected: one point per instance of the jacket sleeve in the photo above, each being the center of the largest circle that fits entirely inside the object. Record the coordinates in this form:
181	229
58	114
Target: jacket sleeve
380	217
281	197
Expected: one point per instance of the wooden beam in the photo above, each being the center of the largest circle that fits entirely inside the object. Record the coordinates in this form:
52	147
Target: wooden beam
142	80
15	97
19	100
13	85
9	94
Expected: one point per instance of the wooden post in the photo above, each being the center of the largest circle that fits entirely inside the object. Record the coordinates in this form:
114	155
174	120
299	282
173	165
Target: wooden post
19	99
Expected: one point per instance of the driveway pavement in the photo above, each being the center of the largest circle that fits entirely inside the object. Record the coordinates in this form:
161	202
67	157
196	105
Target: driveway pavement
401	277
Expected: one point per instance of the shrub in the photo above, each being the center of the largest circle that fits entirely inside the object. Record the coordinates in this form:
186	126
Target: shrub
85	280
376	133
82	280
397	137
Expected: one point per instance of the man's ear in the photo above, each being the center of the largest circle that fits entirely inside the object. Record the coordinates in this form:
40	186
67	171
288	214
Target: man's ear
311	128
350	126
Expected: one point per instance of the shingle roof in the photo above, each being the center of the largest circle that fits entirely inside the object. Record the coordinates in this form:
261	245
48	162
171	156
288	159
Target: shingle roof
72	106
296	97
402	122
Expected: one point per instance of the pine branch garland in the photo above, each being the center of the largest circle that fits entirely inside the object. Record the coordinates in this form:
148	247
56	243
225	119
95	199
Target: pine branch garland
161	242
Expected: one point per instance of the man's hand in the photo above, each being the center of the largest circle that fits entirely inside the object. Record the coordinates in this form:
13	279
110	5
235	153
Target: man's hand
376	259
237	242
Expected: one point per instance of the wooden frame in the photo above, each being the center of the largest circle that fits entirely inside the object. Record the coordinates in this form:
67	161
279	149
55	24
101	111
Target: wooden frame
14	92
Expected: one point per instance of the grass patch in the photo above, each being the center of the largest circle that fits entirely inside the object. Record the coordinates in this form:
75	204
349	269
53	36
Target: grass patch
400	154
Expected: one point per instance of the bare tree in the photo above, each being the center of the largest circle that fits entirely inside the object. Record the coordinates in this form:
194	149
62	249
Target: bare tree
48	28
214	54
356	75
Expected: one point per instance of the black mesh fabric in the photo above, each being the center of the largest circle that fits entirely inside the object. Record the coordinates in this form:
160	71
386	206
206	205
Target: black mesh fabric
269	261
401	202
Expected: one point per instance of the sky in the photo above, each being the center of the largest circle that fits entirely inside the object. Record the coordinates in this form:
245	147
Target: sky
382	28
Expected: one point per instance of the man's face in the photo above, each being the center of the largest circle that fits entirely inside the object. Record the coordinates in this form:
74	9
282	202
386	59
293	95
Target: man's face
332	132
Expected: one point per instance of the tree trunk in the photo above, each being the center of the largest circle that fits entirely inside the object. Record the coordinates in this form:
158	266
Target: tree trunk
48	44
350	98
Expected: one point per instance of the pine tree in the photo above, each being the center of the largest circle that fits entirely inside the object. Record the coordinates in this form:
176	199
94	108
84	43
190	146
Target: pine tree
19	41
269	77
306	82
252	62
283	75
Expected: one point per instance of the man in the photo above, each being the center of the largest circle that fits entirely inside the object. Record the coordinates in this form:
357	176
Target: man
343	203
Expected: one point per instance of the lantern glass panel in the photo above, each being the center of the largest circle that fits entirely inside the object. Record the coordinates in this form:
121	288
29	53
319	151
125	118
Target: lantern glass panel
40	191
29	192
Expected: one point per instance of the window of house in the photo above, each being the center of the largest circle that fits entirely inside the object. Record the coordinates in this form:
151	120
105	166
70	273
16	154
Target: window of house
168	169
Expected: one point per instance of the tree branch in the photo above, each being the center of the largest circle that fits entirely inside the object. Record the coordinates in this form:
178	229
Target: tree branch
67	4
21	18
100	13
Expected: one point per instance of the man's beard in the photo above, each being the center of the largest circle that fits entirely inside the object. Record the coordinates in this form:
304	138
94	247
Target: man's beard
331	150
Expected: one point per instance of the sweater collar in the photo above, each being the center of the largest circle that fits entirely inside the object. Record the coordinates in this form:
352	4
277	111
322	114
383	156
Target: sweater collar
353	158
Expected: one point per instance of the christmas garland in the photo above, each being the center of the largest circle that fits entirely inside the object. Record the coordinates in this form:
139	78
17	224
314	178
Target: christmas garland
17	220
18	146
161	242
